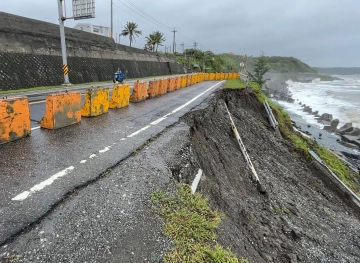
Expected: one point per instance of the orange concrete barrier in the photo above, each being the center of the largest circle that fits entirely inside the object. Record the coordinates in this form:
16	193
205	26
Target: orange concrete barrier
222	76
171	84
14	119
96	102
177	81
226	76
140	92
162	86
212	76
61	110
120	96
153	89
236	75
217	76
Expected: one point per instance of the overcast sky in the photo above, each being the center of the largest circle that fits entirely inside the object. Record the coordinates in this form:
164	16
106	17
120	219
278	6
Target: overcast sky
319	32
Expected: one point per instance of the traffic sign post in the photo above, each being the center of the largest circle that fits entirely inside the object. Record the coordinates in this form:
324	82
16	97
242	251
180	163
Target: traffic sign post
82	9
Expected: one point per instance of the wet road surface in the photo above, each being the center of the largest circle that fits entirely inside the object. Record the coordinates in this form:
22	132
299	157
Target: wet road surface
38	171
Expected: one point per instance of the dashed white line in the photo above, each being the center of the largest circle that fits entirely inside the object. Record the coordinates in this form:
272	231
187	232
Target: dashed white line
35	128
92	156
43	184
83	161
138	131
105	149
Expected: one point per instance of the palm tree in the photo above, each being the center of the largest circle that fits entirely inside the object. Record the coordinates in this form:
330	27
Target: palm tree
155	39
131	31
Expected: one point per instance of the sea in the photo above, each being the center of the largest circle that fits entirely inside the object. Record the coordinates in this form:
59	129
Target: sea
341	98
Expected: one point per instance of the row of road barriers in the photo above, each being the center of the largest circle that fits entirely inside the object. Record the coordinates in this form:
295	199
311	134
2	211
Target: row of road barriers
64	108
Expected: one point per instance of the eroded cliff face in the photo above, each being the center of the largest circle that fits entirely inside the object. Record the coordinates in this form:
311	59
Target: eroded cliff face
298	219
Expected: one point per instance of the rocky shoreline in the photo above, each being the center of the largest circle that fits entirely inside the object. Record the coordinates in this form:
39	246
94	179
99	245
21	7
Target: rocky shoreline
348	136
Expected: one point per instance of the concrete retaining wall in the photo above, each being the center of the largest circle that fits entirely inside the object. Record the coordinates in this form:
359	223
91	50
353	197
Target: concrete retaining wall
27	70
30	56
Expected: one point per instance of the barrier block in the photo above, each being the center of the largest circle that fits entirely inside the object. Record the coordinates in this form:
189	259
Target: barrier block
140	92
226	76
188	80
153	89
120	96
162	86
236	75
177	83
193	79
212	76
171	84
61	110
96	102
183	81
207	76
14	119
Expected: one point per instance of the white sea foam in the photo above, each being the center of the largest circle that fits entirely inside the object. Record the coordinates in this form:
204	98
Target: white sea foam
341	98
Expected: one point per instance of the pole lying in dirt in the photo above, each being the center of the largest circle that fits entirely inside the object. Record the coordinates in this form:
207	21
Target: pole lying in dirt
196	181
242	147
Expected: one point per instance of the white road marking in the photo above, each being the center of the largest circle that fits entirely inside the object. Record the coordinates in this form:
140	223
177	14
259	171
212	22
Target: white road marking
138	131
105	149
92	156
43	184
184	105
35	128
83	161
122	139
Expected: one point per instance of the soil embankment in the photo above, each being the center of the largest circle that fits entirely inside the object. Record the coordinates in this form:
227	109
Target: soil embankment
298	220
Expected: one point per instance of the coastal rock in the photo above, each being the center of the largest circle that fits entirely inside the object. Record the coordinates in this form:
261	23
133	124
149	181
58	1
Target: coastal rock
332	127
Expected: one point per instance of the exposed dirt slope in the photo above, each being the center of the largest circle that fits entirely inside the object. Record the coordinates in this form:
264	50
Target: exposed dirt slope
297	220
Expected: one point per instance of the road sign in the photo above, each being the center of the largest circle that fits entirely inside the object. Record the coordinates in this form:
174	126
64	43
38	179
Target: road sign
83	9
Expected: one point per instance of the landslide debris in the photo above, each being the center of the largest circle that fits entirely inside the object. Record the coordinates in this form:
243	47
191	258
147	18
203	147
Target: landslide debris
298	219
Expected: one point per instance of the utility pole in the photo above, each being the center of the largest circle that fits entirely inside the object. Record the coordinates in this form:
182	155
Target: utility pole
63	43
182	45
204	61
174	45
195	44
111	27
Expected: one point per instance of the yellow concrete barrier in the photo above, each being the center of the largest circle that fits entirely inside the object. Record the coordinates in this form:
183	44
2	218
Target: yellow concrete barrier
226	76
183	81
61	109
188	80
140	92
212	76
120	96
14	119
96	102
177	84
207	76
222	76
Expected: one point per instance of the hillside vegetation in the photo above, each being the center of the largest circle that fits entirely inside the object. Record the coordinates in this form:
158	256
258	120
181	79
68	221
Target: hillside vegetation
339	71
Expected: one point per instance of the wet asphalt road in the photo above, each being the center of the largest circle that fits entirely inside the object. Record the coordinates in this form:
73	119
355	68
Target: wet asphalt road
74	155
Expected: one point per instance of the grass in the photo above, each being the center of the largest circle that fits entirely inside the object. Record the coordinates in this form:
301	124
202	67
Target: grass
191	224
235	84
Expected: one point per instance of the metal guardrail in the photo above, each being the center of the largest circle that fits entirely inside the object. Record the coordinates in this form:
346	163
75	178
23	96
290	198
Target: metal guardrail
319	160
272	119
243	77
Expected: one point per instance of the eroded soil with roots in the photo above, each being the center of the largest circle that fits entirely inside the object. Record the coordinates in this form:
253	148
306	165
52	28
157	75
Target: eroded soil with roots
298	219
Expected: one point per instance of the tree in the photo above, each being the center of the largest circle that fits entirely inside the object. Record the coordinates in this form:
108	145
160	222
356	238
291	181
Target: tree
131	31
260	68
155	39
148	47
